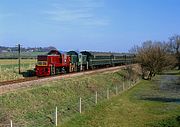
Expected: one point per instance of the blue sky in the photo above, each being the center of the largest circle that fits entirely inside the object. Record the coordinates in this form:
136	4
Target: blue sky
98	25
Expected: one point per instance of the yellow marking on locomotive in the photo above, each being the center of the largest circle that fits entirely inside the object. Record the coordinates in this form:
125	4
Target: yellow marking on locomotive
42	63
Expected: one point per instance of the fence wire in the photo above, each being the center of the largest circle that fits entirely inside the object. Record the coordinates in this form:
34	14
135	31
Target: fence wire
67	111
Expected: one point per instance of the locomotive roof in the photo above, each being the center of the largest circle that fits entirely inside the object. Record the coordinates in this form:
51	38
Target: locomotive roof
54	52
72	53
91	53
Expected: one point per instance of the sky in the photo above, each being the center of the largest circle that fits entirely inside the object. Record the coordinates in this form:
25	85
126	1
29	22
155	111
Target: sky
97	25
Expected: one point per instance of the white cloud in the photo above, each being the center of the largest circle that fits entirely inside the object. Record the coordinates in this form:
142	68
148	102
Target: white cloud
82	12
6	15
69	15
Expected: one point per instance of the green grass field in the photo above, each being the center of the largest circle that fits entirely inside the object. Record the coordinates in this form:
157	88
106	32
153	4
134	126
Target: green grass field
9	65
9	68
150	103
153	103
35	107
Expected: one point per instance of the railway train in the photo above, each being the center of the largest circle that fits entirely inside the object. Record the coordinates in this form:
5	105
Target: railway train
55	62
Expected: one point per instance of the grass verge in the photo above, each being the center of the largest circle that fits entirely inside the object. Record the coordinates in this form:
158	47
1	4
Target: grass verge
35	107
146	105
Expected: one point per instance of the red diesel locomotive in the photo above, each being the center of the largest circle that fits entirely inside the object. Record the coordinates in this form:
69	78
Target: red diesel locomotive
52	63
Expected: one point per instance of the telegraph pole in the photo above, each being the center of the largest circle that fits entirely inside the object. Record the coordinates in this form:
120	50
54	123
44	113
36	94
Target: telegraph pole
19	57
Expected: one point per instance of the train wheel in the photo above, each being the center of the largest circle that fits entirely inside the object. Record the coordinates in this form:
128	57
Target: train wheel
67	69
53	72
63	70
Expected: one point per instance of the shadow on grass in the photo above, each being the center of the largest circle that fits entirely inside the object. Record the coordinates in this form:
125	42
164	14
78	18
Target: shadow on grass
159	99
28	73
170	122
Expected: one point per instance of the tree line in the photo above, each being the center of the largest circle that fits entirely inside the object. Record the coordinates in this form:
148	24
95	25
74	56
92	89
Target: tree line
155	56
28	49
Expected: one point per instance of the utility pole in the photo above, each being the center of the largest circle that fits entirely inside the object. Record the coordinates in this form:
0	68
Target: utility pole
125	60
19	57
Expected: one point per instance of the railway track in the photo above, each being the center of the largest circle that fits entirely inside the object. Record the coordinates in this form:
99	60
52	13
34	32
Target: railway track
13	85
18	81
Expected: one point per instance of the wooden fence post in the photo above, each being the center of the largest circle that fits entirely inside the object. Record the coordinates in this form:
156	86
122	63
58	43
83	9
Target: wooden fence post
123	86
116	90
11	125
56	114
96	98
80	105
107	93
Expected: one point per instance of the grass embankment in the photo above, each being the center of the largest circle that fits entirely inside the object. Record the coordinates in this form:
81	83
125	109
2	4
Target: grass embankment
35	107
153	103
9	68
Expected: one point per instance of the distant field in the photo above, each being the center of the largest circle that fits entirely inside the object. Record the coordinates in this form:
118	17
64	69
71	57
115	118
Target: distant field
10	55
9	64
9	68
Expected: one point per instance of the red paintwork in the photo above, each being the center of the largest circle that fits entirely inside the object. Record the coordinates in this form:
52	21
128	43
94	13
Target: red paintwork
43	70
54	58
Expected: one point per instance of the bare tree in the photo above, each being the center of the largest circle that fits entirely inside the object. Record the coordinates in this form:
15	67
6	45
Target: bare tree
174	47
153	58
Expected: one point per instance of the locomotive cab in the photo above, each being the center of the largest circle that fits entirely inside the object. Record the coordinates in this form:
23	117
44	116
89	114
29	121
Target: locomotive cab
42	68
83	63
73	61
52	63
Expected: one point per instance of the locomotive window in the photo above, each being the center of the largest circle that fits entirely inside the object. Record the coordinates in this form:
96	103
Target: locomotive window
41	63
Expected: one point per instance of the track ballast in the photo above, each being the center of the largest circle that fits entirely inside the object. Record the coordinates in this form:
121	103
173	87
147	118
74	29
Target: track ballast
13	85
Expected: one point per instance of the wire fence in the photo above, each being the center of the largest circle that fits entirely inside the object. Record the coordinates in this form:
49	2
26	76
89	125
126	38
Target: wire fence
11	124
86	103
65	112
